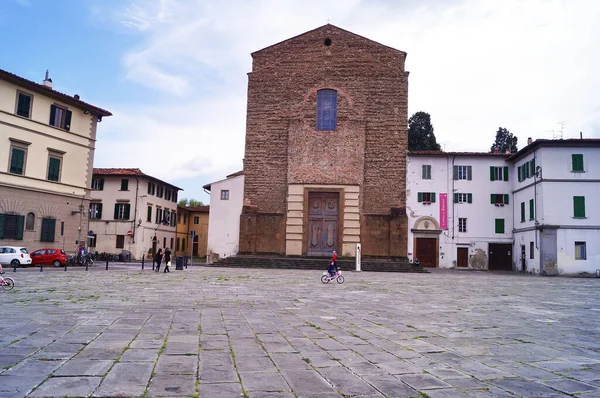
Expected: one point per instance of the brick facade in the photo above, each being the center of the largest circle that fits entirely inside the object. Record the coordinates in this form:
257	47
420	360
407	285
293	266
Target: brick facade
367	149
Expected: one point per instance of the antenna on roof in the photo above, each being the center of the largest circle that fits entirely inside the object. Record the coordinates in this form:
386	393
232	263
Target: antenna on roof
560	133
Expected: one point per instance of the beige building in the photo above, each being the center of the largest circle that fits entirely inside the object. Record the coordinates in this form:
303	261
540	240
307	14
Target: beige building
46	157
131	212
192	219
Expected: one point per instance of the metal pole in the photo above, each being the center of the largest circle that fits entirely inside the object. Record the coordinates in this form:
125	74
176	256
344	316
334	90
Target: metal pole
192	248
41	268
358	257
107	264
142	263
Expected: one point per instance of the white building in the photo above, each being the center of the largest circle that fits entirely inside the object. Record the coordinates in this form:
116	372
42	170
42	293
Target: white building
459	208
131	212
557	225
46	157
226	201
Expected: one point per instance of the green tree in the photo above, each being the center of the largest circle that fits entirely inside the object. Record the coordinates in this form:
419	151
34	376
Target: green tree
189	202
504	141
420	133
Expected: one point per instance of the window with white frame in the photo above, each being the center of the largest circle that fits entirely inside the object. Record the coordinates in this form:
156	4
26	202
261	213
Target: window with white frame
580	252
224	194
462	172
463	198
122	211
462	225
426	197
426	175
96	211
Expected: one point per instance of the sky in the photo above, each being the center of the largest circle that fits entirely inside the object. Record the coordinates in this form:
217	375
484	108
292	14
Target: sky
174	72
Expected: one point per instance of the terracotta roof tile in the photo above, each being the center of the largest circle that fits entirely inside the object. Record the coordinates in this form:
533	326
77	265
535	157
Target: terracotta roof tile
129	172
441	153
40	88
197	209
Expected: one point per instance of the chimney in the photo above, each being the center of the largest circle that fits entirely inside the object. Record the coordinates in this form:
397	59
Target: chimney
76	96
529	140
47	81
496	150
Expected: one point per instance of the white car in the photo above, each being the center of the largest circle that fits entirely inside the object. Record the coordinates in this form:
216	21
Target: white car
14	256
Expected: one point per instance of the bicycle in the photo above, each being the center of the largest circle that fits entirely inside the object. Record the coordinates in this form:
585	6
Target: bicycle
326	278
6	282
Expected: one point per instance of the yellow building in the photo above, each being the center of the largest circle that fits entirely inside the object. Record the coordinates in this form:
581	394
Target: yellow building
192	219
46	158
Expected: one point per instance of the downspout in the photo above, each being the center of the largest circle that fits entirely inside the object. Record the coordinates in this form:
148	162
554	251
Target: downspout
535	209
453	204
137	187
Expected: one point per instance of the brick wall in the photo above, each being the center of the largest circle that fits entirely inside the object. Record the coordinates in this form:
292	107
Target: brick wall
369	145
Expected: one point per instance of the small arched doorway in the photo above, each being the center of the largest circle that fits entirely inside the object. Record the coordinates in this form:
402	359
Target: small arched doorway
426	244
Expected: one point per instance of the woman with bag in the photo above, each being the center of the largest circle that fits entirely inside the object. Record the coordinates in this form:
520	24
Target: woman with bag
167	258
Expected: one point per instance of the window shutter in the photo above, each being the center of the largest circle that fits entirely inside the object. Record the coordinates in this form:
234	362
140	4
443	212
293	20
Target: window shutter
20	225
492	173
424	172
577	160
533	166
99	210
68	120
17	160
149	214
505	173
420	197
499	225
52	115
469	198
455	172
1	226
101	184
531	209
526	170
117	211
505	198
579	206
455	198
52	229
127	207
522	211
469	173
492	198
433	197
23	105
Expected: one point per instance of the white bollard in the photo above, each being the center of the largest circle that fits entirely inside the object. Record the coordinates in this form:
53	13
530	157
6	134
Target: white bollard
358	257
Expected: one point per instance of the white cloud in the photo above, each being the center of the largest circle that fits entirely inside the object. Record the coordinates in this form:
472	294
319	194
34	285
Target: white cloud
475	65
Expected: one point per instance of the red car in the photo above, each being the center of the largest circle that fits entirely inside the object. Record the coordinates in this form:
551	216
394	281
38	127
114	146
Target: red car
54	256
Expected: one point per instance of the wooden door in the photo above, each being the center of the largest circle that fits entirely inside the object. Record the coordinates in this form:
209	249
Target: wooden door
323	213
523	263
462	257
500	257
427	251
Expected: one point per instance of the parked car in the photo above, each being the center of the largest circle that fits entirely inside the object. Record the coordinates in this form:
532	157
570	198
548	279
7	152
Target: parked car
54	256
14	256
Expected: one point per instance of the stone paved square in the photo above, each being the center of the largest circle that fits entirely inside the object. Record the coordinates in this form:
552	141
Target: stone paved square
216	332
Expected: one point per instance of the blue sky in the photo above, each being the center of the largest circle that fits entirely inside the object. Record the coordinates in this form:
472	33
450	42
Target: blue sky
175	70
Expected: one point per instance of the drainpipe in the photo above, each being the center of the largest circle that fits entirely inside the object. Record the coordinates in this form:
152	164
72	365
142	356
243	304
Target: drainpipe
535	205
137	187
453	204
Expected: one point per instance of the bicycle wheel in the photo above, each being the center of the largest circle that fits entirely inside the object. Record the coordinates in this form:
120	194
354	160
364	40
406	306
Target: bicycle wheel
325	279
340	279
8	283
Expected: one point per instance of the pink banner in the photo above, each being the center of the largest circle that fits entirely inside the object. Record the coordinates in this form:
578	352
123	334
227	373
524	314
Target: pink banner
444	211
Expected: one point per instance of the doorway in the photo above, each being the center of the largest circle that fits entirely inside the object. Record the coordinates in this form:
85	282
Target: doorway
462	257
523	265
323	214
500	257
427	252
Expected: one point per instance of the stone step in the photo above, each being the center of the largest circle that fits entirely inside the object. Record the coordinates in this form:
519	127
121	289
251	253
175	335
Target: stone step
249	261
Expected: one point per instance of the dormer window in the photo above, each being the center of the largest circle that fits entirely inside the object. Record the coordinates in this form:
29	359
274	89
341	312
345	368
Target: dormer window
326	109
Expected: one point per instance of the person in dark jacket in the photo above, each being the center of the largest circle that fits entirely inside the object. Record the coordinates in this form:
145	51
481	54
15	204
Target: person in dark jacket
158	258
167	257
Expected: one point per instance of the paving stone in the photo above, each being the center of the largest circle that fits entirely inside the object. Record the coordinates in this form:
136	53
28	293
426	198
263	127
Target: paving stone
307	382
346	382
447	374
67	387
423	382
264	381
140	355
524	387
125	379
570	386
221	390
399	367
84	367
166	385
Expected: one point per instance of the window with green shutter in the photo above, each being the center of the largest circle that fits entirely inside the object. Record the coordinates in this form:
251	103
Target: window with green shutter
53	169
149	214
48	229
579	206
499	225
124	184
60	117
17	160
499	199
24	104
577	162
531	210
522	211
426	197
122	211
505	173
96	211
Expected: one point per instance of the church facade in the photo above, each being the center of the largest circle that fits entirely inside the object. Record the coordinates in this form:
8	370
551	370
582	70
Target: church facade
326	144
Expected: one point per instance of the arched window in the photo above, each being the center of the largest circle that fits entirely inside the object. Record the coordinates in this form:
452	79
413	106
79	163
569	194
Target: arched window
326	109
30	222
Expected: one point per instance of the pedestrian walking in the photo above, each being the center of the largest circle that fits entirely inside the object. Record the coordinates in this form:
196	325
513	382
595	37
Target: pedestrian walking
167	258
158	258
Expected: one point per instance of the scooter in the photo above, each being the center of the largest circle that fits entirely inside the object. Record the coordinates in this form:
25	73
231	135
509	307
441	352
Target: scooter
326	278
